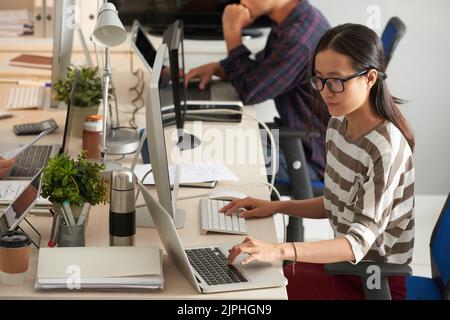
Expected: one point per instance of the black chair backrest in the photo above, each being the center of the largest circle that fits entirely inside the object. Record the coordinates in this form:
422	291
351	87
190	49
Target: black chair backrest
440	248
392	33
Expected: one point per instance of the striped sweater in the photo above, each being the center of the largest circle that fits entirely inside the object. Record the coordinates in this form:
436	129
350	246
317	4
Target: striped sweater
369	191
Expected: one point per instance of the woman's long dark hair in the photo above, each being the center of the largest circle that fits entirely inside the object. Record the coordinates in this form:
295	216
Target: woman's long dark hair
364	47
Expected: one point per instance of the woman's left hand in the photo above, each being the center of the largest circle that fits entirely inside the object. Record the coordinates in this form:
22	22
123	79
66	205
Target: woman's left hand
257	250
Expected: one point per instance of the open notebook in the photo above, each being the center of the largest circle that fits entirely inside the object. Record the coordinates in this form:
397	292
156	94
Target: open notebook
100	268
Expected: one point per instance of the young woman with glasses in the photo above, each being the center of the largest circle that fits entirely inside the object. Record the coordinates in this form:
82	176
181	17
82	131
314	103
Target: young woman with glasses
369	176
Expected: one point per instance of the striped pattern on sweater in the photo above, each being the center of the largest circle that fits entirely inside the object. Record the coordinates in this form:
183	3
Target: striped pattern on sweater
369	191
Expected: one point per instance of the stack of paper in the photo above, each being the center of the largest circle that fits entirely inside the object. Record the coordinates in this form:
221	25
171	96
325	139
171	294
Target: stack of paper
190	173
15	23
100	268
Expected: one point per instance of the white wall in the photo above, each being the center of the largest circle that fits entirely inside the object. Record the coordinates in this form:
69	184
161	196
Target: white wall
418	72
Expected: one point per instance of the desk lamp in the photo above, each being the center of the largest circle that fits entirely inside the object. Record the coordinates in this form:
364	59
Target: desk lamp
109	32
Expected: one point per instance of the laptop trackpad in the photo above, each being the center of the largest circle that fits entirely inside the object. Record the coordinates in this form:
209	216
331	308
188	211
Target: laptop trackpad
223	91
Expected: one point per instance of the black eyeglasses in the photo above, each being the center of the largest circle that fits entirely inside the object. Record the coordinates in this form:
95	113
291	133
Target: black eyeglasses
335	85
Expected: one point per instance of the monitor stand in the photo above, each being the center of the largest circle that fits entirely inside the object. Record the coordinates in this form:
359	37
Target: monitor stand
188	141
144	218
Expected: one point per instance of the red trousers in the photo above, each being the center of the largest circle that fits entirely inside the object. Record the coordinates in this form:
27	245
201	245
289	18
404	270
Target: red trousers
310	282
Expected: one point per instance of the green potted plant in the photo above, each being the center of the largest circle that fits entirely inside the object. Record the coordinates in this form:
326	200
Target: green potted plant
87	96
78	182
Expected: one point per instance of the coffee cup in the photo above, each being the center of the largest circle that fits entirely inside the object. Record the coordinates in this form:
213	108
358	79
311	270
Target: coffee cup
14	256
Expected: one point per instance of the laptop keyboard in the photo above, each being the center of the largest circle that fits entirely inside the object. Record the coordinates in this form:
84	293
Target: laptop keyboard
215	221
212	266
29	162
194	93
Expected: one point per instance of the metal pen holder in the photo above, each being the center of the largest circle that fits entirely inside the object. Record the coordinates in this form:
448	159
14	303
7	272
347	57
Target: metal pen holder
70	236
65	235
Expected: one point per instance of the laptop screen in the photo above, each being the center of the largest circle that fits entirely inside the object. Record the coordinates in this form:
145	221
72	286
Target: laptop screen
23	203
69	115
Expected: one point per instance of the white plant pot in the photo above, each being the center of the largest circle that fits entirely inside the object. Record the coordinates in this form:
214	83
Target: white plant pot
79	115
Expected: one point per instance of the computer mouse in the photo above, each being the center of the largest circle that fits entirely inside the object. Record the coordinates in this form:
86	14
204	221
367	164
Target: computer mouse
226	194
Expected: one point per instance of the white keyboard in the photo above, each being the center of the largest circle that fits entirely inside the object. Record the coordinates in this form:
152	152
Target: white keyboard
214	221
26	97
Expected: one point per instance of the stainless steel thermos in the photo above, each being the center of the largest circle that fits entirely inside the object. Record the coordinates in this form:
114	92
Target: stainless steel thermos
122	209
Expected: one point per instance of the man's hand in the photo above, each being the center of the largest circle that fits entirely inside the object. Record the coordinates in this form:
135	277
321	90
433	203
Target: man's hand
204	73
235	18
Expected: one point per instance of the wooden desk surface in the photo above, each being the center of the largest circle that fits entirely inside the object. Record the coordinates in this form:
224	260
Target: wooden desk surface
176	286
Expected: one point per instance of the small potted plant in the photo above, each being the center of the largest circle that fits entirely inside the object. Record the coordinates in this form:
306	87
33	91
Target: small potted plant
75	182
87	96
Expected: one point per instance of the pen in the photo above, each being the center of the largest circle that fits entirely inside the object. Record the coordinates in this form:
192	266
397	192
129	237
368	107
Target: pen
52	212
55	231
69	213
83	214
63	214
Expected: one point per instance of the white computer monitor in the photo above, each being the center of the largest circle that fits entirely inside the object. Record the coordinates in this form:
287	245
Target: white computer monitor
63	28
157	98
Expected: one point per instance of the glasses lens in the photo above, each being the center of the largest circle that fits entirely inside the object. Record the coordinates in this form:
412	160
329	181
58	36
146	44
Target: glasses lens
316	83
335	85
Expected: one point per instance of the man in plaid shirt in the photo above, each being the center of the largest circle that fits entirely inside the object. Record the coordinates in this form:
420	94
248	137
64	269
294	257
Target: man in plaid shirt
280	71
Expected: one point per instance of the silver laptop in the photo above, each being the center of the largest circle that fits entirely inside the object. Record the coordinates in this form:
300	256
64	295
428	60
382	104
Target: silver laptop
205	266
33	159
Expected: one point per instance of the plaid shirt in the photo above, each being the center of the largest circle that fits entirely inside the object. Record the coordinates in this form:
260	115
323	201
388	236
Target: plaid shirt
280	72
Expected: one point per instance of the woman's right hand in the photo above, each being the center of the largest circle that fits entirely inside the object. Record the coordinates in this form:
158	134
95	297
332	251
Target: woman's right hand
255	208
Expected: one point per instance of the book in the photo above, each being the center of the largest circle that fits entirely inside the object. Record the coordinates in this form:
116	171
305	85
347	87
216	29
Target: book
32	61
100	268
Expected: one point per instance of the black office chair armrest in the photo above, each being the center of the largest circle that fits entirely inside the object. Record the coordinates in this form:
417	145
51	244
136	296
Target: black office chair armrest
361	269
286	132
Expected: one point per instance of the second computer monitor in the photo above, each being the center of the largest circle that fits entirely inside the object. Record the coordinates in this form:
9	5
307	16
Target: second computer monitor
174	38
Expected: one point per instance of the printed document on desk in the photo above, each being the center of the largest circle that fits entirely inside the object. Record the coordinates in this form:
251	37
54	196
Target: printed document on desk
100	268
190	173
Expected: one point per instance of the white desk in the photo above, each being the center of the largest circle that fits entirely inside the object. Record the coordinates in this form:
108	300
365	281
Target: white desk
176	286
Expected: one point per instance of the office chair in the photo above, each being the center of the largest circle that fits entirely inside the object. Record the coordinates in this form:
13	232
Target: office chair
418	288
300	186
395	29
